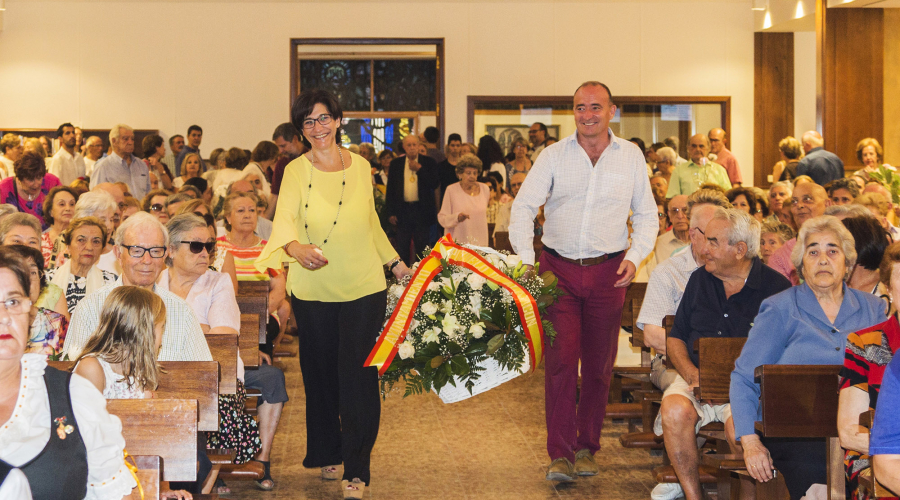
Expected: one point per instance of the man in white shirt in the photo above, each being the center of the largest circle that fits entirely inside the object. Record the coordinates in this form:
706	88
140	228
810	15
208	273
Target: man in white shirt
67	163
677	237
589	183
122	165
537	135
141	247
93	151
11	149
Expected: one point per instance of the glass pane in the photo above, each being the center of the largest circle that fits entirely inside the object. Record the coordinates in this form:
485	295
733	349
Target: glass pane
405	85
383	133
348	80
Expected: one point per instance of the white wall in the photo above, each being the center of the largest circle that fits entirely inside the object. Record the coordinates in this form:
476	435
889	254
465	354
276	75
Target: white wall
225	66
804	82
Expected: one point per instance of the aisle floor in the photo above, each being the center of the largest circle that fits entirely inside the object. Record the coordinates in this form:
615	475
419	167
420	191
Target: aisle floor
491	446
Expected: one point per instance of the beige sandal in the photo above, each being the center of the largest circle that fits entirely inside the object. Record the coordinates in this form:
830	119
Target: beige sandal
353	489
330	473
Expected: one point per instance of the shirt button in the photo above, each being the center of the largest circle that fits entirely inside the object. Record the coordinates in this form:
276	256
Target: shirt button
720	333
726	315
837	348
834	330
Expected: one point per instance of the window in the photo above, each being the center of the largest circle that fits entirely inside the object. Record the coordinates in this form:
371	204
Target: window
388	88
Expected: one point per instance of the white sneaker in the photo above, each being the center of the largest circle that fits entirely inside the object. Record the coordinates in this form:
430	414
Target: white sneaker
666	491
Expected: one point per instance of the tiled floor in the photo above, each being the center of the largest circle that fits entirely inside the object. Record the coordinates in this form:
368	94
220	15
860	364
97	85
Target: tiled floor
489	447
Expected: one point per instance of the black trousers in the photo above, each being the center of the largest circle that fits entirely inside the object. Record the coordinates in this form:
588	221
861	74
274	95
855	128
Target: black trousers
343	400
801	461
413	226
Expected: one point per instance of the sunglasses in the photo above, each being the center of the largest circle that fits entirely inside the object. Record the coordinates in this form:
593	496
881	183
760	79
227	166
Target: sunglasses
157	207
198	246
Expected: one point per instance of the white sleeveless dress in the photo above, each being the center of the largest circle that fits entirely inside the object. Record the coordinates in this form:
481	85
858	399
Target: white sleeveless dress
117	387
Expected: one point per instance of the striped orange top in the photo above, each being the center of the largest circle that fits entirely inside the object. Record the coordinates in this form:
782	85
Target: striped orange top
244	258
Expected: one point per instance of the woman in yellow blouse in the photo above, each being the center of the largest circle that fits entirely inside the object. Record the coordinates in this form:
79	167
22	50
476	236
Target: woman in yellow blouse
328	232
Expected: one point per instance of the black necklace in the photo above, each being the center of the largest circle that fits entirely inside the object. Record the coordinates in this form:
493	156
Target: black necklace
340	202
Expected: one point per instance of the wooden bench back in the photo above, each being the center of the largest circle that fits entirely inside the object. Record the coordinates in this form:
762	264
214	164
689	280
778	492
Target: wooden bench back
798	401
197	380
635	291
149	474
259	305
163	427
249	340
717	357
637	334
224	349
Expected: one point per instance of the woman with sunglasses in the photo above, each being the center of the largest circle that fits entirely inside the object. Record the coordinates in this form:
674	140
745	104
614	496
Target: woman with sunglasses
85	239
155	204
211	296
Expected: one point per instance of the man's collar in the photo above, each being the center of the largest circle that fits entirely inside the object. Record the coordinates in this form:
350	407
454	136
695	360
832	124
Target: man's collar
754	279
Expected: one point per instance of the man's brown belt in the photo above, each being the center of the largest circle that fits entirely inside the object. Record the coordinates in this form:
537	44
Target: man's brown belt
592	261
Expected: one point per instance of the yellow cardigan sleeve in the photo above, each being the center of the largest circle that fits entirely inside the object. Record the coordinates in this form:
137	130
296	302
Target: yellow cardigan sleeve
284	225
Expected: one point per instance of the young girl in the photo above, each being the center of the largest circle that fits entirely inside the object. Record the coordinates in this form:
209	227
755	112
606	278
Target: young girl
772	237
120	359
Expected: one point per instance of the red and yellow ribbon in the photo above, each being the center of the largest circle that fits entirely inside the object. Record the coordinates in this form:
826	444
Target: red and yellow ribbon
397	327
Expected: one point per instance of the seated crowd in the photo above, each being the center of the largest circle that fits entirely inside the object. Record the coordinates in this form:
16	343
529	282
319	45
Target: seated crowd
119	263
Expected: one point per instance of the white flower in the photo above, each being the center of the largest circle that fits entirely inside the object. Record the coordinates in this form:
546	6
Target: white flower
458	278
406	350
477	330
429	308
434	286
415	266
513	260
413	324
506	297
495	260
396	290
431	335
446	306
450	324
475	304
476	281
446	282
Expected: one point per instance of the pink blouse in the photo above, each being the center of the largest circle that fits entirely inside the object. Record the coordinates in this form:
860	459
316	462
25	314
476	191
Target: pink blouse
456	201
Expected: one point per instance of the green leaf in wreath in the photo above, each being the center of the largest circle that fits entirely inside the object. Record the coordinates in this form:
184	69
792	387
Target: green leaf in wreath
490	325
454	348
495	343
460	365
545	300
437	361
476	348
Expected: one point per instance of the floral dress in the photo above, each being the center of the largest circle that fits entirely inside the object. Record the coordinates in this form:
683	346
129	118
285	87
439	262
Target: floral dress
51	251
239	431
48	333
868	353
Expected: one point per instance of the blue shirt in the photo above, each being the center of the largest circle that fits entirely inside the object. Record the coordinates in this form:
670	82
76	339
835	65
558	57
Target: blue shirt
186	150
885	438
792	329
114	168
823	166
704	310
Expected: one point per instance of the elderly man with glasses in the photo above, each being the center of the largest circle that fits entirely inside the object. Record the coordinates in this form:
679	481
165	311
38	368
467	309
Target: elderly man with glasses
141	248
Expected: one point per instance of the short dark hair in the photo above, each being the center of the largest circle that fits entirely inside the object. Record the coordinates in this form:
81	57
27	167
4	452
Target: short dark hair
286	131
199	183
843	183
193	128
264	151
432	134
59	131
307	100
870	240
150	144
30	167
454	137
48	202
640	144
594	83
236	159
13	257
172	139
541	126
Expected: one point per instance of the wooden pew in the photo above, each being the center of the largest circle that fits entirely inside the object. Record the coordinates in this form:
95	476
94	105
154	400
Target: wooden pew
801	401
248	340
629	377
650	400
163	427
258	305
148	474
196	380
867	480
224	349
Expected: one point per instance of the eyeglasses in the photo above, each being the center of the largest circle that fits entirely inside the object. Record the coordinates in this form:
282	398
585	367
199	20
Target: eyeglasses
157	207
676	211
122	205
516	184
323	119
198	246
17	306
138	252
661	215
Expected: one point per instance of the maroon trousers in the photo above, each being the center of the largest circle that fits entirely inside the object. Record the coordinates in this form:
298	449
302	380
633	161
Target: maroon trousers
587	320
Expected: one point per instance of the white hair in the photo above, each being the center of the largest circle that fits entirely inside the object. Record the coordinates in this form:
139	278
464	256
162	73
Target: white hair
93	202
117	129
741	228
142	219
668	153
821	224
784	184
849	210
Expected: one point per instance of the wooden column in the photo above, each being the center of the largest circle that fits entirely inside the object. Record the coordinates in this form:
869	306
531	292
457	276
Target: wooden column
773	97
850	86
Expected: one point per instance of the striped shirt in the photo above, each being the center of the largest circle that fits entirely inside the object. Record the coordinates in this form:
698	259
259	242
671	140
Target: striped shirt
665	288
183	339
587	205
244	257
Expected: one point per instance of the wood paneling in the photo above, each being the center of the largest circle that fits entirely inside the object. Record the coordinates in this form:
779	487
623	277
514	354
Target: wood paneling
773	94
851	53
